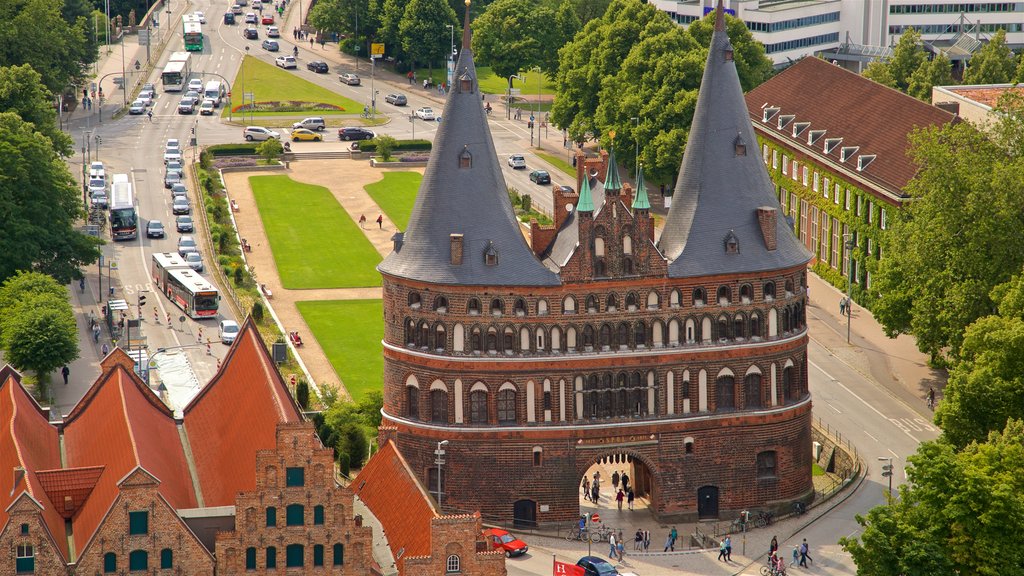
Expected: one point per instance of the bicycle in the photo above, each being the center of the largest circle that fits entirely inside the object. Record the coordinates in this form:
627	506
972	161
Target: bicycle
770	570
764	518
799	508
577	533
601	534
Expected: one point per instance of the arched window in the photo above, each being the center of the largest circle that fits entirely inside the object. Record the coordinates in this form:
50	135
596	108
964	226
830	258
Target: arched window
166	559
675	299
520	307
497	307
542	307
588	336
752	389
724	295
452	564
414	300
492	339
653	300
507	406
606	336
439	406
339	555
786	319
568	305
271	517
571	339
789	287
627	243
746	293
738	325
769	290
599	246
590	397
787	384
109	563
699	297
766	464
621	399
423	338
250	558
606	401
640	334
508	340
638	395
440	338
631	301
591	304
755	326
318	555
726	389
612	302
473	306
476	343
600	269
410	332
622	335
627	266
478	407
271	557
441	304
318	515
723	328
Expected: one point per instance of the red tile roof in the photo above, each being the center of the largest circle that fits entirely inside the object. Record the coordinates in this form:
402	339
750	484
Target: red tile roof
987	95
29	442
391	491
120	424
863	113
69	488
236	415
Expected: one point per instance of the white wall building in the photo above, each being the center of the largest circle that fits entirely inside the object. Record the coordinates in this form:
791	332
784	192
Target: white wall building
791	29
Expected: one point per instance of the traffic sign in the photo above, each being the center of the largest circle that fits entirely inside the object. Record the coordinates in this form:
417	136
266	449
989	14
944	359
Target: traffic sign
377	49
515	91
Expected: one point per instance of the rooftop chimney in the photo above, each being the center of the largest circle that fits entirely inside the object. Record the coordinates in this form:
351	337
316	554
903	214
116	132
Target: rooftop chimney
456	249
767	217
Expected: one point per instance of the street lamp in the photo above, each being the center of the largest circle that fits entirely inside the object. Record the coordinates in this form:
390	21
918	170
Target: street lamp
412	118
439	461
848	242
124	79
636	136
887	471
533	119
508	99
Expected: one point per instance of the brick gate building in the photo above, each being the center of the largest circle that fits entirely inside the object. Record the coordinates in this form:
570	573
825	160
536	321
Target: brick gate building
686	355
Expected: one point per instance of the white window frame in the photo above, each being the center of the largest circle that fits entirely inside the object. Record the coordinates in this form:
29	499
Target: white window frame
453	564
817	182
775	158
785	164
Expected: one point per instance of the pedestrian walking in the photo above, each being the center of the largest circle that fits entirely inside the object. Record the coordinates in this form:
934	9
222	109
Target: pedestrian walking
311	42
595	493
380	221
96	333
842	306
65	372
105	350
647	539
721	551
586	488
612	548
619	497
620	547
625	481
638	539
931	397
728	548
675	536
805	553
796	553
668	542
629	498
615	480
149	114
774	546
81	288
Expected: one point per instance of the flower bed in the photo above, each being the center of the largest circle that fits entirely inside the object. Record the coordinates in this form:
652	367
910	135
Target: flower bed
234	162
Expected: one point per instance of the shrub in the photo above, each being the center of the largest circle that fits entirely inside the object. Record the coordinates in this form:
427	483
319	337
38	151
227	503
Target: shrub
257	315
236	149
385	146
416	158
301	390
239	276
527	203
205	160
513	195
270	149
343	462
403	145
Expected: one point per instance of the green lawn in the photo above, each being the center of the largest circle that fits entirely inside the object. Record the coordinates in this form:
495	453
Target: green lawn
315	242
558	162
268	83
492	84
396	194
350	332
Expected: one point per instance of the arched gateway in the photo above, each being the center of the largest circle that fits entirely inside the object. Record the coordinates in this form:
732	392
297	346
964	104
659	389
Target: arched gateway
592	341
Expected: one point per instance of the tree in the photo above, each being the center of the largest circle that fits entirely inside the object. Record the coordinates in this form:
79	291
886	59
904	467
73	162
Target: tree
270	149
514	35
22	92
994	63
424	31
1019	76
34	32
385	145
40	204
567	25
23	286
390	14
907	56
879	71
37	330
961	236
937	72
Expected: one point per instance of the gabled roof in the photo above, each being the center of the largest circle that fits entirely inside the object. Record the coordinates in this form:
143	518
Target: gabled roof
719	189
472	201
234	416
121	425
69	488
391	491
28	441
876	118
567	240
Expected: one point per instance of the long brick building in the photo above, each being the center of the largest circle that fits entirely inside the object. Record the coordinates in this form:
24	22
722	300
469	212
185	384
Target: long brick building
685	355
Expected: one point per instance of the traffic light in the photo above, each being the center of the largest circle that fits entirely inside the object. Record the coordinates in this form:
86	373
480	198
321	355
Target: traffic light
886	469
142	300
193	130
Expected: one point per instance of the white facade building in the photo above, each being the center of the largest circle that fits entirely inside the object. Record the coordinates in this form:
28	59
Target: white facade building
792	29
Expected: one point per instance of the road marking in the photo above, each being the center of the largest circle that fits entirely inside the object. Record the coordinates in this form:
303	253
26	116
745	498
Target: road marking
864	402
870	436
157	295
838	411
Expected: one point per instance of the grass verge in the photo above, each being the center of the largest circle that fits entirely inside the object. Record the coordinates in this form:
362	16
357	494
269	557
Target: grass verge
557	162
396	194
315	242
350	332
268	83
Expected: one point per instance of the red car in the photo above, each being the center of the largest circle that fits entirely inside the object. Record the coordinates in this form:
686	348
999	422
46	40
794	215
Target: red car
502	540
268	19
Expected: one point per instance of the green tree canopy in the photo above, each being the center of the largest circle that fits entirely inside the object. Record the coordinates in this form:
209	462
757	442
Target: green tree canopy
907	56
993	63
40	204
35	32
37	326
424	30
514	35
937	72
390	13
22	92
23	286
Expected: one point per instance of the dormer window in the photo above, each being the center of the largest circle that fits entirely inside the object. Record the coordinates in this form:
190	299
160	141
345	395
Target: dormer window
490	255
799	128
785	119
732	243
739	147
847	152
465	82
831	143
465	158
863	161
813	136
769	113
729	56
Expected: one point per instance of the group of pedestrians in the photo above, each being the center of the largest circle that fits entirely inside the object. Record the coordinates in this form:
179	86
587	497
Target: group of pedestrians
616	547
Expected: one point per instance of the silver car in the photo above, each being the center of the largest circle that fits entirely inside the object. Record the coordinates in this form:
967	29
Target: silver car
137	107
194	261
187	244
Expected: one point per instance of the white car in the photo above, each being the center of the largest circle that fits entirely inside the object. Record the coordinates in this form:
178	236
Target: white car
228	331
96	170
273	32
517	161
201	16
147	97
250	18
194	261
286	62
172	143
425	113
207	107
172	154
259	133
196	85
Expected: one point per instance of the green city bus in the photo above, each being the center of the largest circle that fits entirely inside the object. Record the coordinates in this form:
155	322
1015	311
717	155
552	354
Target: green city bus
193	33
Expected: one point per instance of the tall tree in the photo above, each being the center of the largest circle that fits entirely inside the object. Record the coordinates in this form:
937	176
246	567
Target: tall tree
23	286
937	72
514	35
994	63
34	32
38	328
879	71
424	31
907	56
39	204
22	92
390	15
567	24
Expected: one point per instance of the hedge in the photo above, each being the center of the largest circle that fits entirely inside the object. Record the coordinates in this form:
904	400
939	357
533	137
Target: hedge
239	149
371	145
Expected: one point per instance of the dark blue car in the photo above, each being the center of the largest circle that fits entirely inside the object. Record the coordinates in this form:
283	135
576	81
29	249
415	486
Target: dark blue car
594	566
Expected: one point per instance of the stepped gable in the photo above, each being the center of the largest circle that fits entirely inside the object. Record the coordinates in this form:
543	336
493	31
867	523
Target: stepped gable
399	502
28	441
121	425
712	227
235	416
464	192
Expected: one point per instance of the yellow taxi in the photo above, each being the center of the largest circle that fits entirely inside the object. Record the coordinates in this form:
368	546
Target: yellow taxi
305	134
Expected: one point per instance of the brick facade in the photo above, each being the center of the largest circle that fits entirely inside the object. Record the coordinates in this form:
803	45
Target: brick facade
29	541
456	548
299	518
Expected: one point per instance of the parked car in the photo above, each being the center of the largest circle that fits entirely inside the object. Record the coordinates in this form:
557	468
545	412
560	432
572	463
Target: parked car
273	32
267	19
155	229
175	166
306	134
517	161
194	261
318	66
195	85
425	113
187	105
355	133
171	178
396	99
286	62
507	543
180	206
207	108
137	107
96	170
187	244
184	223
271	45
229	17
540	177
250	18
350	79
259	133
98	199
316	123
594	566
228	331
251	34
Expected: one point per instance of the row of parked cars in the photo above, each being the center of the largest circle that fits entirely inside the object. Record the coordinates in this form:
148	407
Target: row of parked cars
310	129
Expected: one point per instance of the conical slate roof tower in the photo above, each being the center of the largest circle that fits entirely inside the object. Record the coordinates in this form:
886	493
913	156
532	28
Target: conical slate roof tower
463	229
725	218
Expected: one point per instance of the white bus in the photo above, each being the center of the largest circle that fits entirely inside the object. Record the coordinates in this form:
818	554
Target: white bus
176	74
163	263
214	90
192	293
124	221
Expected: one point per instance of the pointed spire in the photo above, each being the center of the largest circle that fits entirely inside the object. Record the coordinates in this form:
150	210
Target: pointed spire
641	202
585	203
612	181
466	33
719	16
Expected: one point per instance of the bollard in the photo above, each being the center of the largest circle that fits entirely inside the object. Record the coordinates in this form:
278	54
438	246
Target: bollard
200	333
156	316
208	351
